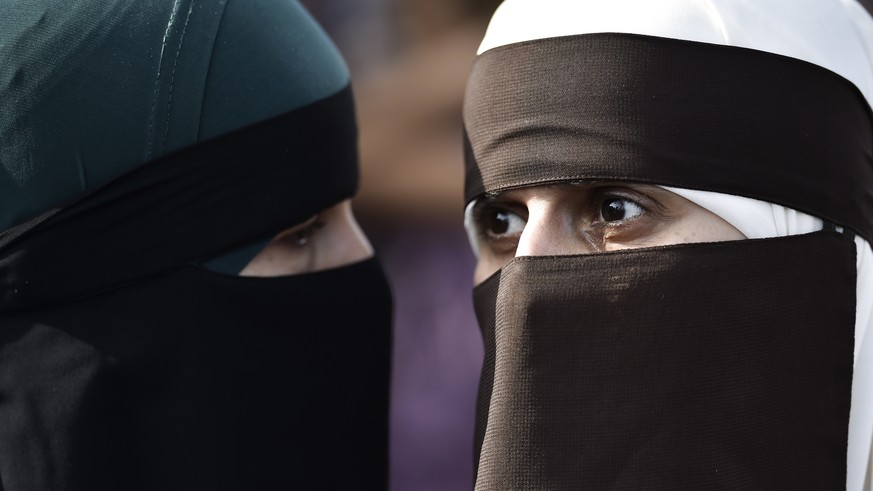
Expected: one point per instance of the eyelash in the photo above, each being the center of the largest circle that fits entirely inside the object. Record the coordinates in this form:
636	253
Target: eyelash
601	199
301	237
482	212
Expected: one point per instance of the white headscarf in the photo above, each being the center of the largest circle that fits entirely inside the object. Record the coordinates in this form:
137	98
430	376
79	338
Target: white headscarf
834	34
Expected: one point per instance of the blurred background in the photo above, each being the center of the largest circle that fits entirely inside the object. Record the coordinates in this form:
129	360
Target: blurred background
409	61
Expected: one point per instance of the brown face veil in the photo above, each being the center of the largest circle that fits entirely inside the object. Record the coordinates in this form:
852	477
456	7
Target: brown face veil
694	366
140	140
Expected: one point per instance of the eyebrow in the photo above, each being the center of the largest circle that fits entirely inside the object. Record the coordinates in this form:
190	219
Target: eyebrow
494	195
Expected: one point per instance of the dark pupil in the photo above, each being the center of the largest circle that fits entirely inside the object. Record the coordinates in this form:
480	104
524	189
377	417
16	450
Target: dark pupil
613	210
498	222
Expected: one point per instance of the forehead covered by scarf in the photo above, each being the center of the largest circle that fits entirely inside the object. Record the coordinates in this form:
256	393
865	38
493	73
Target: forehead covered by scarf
147	135
666	111
90	90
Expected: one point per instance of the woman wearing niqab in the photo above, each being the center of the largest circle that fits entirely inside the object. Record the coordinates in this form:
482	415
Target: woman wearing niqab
149	151
695	362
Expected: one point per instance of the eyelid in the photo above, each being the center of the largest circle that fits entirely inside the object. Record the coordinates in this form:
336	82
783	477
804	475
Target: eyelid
302	230
476	221
311	226
605	234
643	200
303	224
491	204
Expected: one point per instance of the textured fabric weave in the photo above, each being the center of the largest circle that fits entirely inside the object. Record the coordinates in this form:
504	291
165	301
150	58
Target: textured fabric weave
670	112
696	366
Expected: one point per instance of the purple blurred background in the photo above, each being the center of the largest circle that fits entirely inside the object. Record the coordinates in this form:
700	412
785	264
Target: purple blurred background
409	61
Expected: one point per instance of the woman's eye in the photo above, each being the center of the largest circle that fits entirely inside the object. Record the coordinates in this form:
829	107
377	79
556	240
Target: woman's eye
301	234
497	223
618	209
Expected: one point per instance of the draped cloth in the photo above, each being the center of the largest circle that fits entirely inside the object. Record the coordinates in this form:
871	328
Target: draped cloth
127	365
139	141
704	98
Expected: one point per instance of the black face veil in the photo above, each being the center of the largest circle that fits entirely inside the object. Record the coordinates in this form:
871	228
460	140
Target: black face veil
125	364
693	366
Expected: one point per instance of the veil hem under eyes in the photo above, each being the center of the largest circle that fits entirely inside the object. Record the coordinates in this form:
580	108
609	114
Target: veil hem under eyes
758	219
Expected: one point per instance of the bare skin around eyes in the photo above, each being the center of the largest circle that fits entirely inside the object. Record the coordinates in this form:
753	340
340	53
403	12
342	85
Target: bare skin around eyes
583	218
330	239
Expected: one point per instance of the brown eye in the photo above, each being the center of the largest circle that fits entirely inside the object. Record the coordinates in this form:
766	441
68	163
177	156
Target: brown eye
501	223
618	209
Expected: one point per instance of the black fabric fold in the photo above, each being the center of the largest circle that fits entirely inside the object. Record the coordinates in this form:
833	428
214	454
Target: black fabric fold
671	112
188	206
195	380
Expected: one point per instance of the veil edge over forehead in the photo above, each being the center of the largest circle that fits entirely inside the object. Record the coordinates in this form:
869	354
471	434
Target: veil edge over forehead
836	35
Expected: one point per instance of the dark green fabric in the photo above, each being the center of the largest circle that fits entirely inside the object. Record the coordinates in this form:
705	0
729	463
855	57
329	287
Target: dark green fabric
262	49
186	207
90	90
